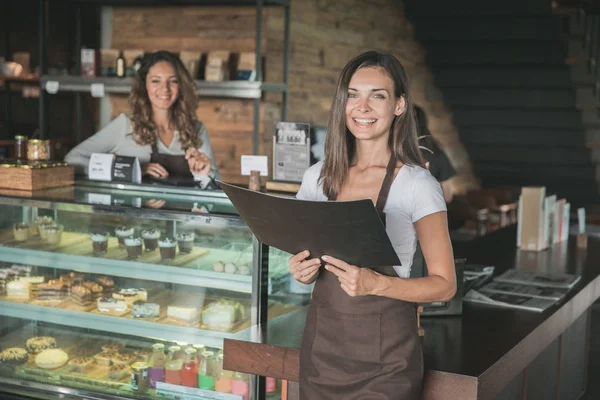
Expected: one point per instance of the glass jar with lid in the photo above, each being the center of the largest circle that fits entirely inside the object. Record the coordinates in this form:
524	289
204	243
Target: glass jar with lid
38	149
20	147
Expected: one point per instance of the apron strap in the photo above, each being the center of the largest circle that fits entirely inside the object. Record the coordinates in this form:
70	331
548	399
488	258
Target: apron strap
154	148
385	185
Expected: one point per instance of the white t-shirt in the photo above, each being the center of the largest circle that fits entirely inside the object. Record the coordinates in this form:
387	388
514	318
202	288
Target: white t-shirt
413	195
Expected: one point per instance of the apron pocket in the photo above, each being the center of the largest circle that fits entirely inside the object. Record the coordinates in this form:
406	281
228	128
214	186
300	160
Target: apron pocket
347	344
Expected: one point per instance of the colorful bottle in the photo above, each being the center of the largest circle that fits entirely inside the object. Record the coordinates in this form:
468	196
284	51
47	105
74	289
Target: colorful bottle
157	364
206	378
120	67
224	379
240	385
200	348
173	366
189	372
271	389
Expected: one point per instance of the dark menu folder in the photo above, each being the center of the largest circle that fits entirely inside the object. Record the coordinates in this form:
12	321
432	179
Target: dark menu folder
348	230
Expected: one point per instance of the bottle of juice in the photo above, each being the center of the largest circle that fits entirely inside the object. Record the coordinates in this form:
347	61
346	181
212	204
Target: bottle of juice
206	378
173	366
189	372
157	364
224	378
271	389
240	385
200	348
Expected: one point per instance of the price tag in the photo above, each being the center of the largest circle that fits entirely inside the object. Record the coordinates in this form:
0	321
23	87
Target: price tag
255	163
99	198
97	89
52	87
100	167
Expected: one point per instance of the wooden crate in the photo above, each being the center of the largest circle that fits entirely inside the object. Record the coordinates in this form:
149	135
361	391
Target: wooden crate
36	178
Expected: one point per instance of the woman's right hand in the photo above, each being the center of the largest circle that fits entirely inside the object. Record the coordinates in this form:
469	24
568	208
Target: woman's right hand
156	170
303	270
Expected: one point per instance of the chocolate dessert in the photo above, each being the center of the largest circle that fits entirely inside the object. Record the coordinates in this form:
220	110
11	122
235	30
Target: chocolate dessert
167	248
185	240
150	237
99	243
123	232
133	246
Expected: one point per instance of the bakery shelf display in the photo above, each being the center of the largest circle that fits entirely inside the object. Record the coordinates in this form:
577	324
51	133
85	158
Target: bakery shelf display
88	290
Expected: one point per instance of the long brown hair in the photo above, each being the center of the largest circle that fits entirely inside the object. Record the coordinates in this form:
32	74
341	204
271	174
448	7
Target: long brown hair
182	114
340	144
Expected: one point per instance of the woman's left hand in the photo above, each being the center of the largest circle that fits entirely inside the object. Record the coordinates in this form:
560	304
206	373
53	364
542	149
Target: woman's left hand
199	163
354	280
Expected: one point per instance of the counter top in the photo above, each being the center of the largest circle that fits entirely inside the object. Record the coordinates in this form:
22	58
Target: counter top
479	352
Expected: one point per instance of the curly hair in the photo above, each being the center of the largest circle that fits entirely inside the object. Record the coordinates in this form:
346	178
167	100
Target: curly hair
182	113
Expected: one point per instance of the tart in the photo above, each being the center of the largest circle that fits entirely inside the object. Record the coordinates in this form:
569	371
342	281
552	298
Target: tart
37	344
112	347
103	358
80	364
14	356
118	371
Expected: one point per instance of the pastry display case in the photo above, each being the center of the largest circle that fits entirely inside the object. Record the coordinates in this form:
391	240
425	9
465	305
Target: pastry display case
110	291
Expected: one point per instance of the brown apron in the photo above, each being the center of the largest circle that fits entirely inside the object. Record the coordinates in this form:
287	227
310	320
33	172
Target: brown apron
175	165
364	347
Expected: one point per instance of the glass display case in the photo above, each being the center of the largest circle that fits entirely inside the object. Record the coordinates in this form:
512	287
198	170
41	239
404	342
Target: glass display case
110	291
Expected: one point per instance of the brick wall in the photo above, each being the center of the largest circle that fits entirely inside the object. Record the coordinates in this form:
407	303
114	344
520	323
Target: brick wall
325	34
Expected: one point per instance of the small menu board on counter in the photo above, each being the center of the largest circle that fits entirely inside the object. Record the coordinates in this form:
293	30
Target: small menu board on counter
109	167
291	151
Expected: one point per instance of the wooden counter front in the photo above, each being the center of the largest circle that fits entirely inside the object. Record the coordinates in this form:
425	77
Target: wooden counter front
488	352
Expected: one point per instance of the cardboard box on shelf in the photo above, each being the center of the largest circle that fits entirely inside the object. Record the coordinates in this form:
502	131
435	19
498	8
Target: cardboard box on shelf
217	66
191	60
88	62
246	68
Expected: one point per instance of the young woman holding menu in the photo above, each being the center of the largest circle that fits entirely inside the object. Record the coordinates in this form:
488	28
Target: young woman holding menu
360	340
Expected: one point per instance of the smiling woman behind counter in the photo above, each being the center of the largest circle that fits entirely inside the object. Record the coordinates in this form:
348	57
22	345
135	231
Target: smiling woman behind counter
162	130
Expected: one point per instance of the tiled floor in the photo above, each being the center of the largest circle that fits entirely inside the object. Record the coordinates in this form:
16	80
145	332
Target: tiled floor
593	391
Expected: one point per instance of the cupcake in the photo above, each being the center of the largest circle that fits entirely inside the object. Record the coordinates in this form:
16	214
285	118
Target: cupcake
21	232
167	248
123	232
133	245
150	237
99	243
185	241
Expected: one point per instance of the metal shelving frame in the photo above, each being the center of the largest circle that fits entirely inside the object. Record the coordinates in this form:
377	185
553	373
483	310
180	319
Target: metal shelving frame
232	89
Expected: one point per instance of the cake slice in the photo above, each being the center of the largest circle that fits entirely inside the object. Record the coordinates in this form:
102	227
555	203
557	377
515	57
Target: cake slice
141	309
182	313
18	289
222	314
95	289
107	283
52	290
81	296
106	304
